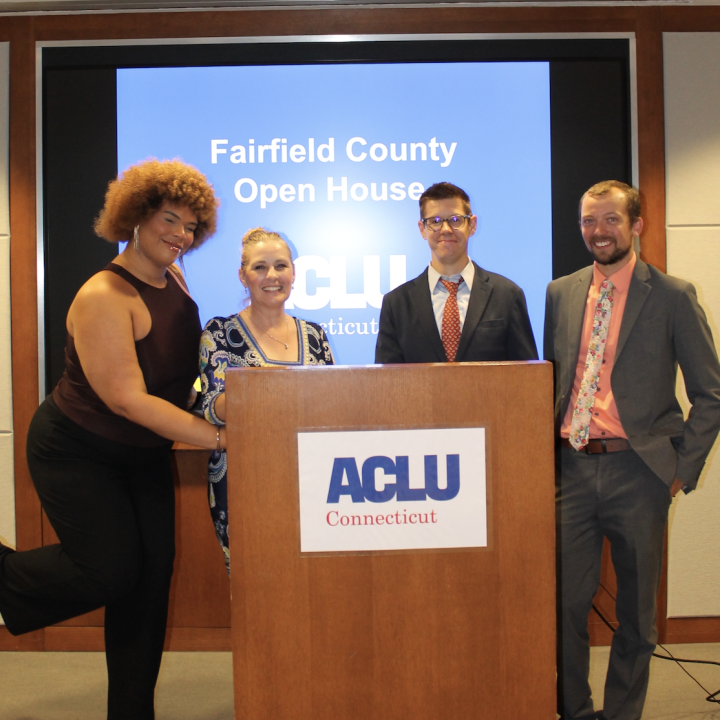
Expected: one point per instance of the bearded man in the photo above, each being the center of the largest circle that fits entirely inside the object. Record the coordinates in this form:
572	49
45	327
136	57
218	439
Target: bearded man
616	332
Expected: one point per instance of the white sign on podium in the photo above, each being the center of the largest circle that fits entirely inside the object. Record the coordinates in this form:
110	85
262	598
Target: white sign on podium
392	490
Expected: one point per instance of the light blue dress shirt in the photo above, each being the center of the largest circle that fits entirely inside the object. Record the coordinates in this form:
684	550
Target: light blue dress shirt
439	294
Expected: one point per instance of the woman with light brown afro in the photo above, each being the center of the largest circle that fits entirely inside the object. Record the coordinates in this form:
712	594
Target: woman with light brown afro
99	446
142	189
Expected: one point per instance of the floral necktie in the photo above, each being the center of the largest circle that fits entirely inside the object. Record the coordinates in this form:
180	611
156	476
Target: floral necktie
451	320
580	427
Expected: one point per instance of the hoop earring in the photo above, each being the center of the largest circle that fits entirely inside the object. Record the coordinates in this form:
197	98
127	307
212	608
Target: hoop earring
182	265
136	238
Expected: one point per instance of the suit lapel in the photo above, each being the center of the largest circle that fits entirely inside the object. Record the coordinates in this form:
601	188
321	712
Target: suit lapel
637	295
422	304
576	316
479	298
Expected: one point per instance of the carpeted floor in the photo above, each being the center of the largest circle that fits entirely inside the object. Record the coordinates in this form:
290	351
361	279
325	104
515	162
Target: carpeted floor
672	695
73	686
198	686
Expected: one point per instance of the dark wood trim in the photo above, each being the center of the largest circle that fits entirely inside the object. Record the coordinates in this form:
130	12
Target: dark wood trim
33	641
91	639
23	272
651	134
190	639
600	634
679	630
691	19
693	630
354	21
71	639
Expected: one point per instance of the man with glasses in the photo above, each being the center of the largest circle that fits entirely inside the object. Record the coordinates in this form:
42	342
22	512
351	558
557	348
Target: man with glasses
455	311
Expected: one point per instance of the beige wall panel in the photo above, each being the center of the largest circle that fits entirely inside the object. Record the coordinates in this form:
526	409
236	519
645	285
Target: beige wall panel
4	130
7	475
693	580
5	356
6	419
7	492
692	127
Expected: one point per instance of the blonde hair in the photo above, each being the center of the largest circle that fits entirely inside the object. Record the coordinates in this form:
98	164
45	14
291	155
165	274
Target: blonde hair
140	191
258	235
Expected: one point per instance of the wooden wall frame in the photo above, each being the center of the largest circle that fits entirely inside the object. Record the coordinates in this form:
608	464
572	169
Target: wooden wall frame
23	32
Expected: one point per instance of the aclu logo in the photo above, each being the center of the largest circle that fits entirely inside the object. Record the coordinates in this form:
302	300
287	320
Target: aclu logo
367	490
309	295
362	485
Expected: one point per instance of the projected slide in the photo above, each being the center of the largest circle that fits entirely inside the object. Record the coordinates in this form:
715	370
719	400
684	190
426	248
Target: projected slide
335	157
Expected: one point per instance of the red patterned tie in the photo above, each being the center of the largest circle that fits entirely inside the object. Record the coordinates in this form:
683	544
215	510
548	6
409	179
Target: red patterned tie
451	320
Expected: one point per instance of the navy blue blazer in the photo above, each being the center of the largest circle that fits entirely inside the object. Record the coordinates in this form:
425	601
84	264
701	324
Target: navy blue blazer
497	326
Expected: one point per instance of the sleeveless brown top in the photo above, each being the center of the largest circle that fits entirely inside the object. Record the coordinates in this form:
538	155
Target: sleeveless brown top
167	355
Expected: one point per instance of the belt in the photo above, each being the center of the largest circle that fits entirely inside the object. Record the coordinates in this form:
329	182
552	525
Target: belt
595	446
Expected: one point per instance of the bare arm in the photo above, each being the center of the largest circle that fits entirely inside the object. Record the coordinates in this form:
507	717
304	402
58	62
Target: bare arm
105	320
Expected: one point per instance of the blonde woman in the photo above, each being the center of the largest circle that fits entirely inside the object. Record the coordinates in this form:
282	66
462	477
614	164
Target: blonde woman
261	335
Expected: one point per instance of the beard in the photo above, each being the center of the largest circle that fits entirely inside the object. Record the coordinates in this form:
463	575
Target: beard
617	254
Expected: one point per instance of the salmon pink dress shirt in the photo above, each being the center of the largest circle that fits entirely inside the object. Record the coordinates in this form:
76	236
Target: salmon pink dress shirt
605	421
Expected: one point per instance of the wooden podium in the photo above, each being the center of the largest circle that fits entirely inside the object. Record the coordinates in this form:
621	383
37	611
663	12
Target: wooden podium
422	634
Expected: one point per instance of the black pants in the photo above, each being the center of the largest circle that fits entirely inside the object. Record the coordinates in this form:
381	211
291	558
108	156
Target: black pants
113	508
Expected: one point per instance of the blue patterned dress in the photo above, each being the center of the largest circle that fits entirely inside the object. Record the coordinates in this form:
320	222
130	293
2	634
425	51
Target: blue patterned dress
228	342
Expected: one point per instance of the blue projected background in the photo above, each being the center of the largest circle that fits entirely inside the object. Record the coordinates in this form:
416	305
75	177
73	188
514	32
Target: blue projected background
334	158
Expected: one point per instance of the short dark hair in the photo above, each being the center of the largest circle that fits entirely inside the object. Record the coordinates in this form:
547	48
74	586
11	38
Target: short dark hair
632	197
444	191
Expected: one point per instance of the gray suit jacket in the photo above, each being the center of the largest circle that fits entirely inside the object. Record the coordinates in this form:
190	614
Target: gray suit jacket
496	326
663	326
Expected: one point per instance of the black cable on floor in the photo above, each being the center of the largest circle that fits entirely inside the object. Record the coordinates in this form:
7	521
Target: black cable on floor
711	697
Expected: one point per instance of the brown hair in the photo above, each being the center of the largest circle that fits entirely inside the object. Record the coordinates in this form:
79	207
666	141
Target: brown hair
444	191
140	191
632	197
257	235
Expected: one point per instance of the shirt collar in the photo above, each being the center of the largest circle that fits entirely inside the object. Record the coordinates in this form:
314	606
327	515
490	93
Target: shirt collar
467	275
620	280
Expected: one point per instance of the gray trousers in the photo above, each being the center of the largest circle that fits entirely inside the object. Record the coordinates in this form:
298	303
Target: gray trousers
617	496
